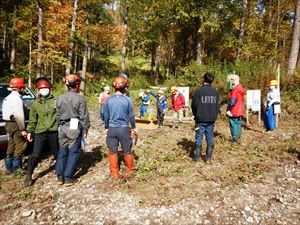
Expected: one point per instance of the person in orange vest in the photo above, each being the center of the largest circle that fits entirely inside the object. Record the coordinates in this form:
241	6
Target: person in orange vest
178	103
102	100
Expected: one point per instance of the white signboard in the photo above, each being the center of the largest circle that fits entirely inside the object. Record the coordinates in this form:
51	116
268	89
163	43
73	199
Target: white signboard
254	100
186	93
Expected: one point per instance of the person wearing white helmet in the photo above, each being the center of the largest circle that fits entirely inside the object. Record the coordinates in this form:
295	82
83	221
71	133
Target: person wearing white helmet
102	100
161	105
144	104
272	99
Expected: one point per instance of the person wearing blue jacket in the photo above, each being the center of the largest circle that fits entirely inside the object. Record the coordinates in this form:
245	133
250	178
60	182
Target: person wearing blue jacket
145	103
161	105
118	113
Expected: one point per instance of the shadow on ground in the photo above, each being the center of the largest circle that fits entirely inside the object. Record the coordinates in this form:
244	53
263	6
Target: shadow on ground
88	160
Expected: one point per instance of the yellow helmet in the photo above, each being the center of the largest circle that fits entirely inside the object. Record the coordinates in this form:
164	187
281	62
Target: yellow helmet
173	89
273	83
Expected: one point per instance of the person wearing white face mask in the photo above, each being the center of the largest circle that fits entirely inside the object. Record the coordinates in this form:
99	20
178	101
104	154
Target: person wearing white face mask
42	127
272	99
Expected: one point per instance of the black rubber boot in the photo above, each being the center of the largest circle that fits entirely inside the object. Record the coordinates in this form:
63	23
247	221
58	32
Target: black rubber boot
196	158
209	151
28	180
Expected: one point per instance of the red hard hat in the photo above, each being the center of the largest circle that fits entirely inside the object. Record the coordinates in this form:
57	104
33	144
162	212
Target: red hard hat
43	82
17	82
72	80
119	83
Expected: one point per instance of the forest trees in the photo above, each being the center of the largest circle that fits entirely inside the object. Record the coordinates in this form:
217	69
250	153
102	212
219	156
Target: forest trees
294	51
48	37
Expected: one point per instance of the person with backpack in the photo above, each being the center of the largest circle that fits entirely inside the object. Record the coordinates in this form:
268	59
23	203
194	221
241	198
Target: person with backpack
42	127
118	114
205	108
73	119
13	115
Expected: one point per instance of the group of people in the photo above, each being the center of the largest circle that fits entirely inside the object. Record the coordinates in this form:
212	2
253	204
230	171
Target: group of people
58	125
55	125
178	104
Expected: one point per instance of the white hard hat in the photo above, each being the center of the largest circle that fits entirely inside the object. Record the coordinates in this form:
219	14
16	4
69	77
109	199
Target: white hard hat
160	91
106	88
141	94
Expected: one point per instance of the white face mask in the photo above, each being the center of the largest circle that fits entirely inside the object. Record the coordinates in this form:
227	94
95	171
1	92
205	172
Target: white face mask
272	87
44	92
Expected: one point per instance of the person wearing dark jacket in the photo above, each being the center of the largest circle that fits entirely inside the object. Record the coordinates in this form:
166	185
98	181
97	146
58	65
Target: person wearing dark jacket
42	125
161	105
73	120
205	108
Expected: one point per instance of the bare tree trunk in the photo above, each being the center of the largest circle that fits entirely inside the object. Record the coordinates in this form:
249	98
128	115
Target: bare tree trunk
13	42
157	63
277	26
84	67
51	73
294	50
242	30
199	50
30	63
75	58
13	52
71	43
123	63
39	71
4	43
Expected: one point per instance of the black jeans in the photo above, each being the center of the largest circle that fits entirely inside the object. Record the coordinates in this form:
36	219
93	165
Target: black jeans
46	142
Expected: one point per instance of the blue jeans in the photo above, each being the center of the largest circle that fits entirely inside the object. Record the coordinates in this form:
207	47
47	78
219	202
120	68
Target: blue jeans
235	127
269	121
208	130
143	110
67	159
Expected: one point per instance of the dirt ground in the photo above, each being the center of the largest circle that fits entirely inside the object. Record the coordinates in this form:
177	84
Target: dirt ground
254	181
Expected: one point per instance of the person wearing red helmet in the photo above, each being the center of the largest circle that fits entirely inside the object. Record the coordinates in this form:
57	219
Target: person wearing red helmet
13	115
118	113
73	120
42	126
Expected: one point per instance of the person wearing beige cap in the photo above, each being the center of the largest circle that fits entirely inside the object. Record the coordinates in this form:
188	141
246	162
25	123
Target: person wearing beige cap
235	106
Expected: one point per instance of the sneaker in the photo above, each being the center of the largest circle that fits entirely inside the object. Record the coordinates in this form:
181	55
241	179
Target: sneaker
70	182
60	180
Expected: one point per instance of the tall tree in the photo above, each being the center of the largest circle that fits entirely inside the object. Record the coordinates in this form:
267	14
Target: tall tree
294	50
39	71
13	39
71	41
124	38
242	29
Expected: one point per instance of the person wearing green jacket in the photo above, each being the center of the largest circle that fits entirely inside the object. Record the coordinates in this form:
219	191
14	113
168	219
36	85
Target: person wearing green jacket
42	127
